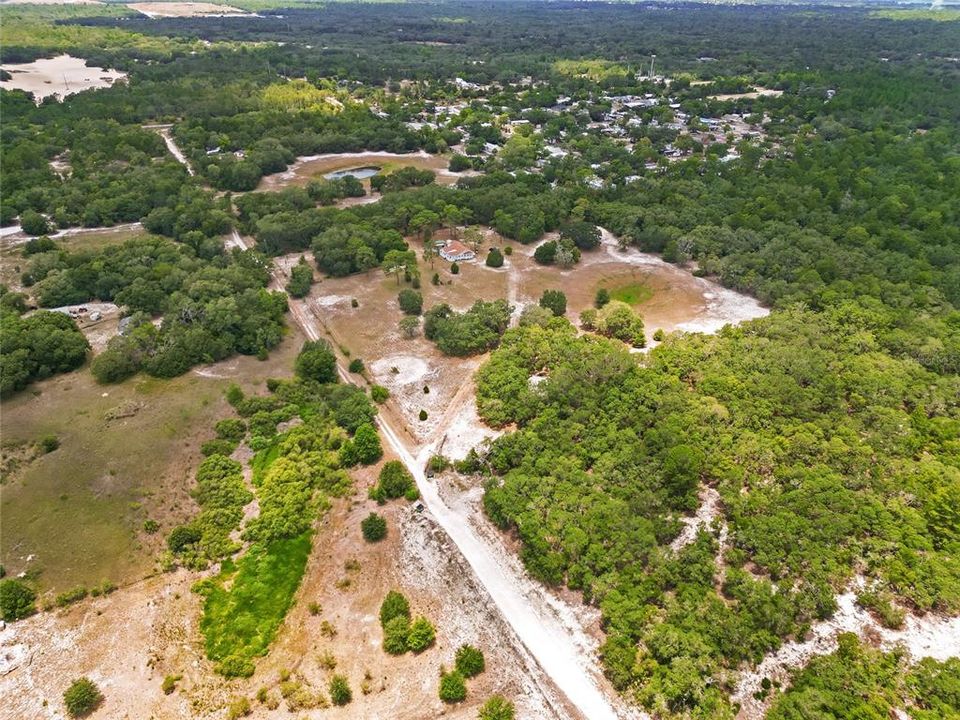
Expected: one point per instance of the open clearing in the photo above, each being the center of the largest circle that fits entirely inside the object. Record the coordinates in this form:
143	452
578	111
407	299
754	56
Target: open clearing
127	453
307	168
185	9
58	77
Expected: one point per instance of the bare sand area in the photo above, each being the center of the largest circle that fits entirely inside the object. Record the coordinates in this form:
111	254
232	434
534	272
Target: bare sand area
58	77
184	9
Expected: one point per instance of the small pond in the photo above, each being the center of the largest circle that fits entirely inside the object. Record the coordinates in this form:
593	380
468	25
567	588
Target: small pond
360	173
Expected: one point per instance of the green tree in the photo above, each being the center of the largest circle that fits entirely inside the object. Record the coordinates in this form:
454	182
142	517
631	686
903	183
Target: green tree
82	697
421	636
316	361
410	301
555	301
452	688
394	605
373	527
469	661
17	600
395	634
494	258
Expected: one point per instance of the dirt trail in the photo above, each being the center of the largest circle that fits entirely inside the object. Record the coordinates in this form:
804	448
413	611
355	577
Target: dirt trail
164	131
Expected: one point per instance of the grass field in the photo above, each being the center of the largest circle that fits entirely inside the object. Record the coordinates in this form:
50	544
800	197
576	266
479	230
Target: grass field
632	293
239	623
127	453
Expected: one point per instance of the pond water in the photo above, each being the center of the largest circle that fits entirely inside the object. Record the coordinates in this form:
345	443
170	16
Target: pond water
58	76
360	173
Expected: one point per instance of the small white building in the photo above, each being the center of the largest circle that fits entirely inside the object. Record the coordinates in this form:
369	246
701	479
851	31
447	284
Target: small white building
456	251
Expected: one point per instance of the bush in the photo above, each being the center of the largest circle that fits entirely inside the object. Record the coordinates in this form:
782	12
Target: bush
379	394
459	163
182	537
494	258
508	250
238	708
422	635
316	361
69	597
49	443
435	280
469	661
340	693
395	634
452	688
497	708
618	320
373	527
33	223
394	482
554	301
410	301
150	526
170	684
301	278
601	298
231	429
658	335
235	666
364	448
455	269
394	605
17	600
423	415
356	366
82	697
218	447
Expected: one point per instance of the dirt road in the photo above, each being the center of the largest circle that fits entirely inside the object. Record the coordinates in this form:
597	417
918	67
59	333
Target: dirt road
558	644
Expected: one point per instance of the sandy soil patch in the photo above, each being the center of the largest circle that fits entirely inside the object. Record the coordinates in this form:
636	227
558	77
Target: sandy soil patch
98	321
928	636
759	92
58	77
185	9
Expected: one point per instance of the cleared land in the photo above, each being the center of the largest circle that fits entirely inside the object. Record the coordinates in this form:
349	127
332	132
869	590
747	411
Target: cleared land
59	76
127	454
183	9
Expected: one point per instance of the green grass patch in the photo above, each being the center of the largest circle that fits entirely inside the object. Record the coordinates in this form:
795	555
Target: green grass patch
262	461
239	623
941	15
632	294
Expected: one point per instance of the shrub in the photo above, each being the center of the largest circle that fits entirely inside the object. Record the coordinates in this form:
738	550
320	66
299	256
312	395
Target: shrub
494	258
231	429
356	365
508	250
151	526
49	443
82	697
422	635
459	163
394	482
658	335
69	597
435	280
455	269
497	708
469	661
452	688
218	447
238	708
170	683
394	605
411	301
354	303
395	634
379	394
235	666
554	301
17	600
301	278
618	320
601	298
340	693
423	415
33	223
373	527
364	448
182	537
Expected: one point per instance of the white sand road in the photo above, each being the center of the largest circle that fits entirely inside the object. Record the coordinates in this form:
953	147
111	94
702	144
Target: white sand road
164	131
559	648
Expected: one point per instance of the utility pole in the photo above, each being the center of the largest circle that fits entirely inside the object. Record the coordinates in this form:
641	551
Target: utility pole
652	59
